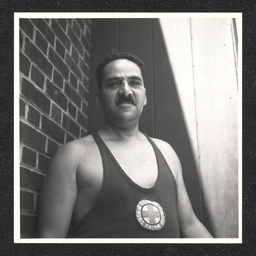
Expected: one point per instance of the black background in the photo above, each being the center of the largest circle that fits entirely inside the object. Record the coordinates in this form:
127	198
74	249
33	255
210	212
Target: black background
7	9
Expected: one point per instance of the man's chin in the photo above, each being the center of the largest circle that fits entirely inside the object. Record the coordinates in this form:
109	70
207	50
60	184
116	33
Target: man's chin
126	114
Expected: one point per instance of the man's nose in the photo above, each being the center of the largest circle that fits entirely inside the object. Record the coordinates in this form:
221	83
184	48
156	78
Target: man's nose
125	89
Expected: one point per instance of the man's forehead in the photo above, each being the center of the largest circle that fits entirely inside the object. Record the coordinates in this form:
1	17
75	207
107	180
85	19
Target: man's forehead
122	65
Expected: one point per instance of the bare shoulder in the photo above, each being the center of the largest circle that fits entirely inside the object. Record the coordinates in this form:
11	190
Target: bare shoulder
170	156
72	153
79	146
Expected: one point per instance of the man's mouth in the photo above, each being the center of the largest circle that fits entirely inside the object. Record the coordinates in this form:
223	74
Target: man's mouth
125	102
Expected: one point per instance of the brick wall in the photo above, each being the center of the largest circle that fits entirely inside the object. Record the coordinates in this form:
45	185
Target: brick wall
54	84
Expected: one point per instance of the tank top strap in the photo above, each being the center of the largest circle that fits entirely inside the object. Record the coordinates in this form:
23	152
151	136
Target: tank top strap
104	150
97	138
107	158
163	165
158	153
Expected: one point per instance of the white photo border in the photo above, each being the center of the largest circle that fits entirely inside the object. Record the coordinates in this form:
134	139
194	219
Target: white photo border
106	15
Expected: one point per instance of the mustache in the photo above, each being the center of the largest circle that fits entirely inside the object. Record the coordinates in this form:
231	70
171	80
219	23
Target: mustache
125	98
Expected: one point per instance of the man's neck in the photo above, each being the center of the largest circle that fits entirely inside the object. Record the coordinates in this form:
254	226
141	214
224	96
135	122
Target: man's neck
119	132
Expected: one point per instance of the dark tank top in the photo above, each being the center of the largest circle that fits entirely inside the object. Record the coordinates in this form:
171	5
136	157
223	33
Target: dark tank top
123	209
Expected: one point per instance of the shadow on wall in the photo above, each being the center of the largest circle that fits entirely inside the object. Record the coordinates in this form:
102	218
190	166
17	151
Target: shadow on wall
165	119
170	123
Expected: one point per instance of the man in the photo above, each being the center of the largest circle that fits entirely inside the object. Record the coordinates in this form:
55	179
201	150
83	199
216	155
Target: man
118	182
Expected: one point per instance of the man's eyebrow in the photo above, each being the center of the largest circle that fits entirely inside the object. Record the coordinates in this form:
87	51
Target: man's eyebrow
117	78
134	78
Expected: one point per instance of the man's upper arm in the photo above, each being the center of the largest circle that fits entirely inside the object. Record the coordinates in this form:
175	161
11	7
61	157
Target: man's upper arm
185	211
59	194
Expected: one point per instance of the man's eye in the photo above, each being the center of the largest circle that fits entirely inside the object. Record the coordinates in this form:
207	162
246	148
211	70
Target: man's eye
114	84
135	83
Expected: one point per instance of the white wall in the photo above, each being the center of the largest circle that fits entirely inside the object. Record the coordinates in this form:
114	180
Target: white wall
202	57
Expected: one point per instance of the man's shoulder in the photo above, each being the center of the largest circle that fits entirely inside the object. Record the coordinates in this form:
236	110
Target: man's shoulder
81	143
76	150
169	154
163	146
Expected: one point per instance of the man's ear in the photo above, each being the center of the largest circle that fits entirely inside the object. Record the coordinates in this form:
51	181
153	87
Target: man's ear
146	99
98	100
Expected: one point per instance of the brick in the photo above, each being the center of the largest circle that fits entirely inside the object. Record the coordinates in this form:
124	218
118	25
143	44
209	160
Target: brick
24	64
41	42
60	49
73	80
52	129
37	77
88	35
30	179
32	137
56	95
27	27
36	56
72	110
58	79
70	125
52	148
80	23
22	108
75	40
28	225
35	96
45	29
74	54
69	138
37	204
29	157
82	120
86	83
74	67
58	63
26	201
40	141
83	133
83	92
85	69
85	42
33	116
88	22
21	39
86	58
73	95
85	108
76	28
63	23
43	162
60	34
56	113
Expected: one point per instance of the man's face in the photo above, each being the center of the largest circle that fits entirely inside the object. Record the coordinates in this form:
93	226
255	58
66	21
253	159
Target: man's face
122	96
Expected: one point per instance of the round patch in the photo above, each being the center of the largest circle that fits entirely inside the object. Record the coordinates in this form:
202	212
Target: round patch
150	215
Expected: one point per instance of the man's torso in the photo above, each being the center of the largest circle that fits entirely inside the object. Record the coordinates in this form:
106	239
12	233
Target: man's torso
137	159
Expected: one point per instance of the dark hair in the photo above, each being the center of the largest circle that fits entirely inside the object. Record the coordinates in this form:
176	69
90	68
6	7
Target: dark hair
115	56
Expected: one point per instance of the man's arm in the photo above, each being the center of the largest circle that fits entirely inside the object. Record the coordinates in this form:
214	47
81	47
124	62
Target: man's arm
190	226
59	194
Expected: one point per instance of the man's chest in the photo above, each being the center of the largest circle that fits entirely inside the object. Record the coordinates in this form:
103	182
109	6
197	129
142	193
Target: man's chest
138	162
